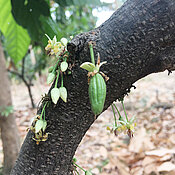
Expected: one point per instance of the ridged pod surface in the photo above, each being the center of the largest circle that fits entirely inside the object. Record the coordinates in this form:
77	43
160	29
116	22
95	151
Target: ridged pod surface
97	93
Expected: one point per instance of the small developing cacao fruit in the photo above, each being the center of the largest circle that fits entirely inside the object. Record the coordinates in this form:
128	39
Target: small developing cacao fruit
97	93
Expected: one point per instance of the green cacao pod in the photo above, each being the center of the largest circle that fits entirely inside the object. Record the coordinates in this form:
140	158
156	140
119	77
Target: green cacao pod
97	93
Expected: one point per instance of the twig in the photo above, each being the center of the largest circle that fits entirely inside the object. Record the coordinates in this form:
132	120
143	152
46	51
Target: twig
28	84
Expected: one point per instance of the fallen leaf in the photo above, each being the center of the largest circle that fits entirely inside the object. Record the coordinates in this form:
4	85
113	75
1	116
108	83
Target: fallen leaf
167	166
147	160
103	151
160	152
166	158
137	171
121	166
149	169
141	142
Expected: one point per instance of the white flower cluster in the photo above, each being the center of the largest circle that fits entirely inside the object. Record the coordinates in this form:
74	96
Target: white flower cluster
56	48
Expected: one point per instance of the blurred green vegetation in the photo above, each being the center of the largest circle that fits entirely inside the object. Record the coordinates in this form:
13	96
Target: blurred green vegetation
25	22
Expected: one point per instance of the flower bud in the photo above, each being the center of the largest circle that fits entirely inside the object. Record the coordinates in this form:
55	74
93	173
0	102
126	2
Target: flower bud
38	126
55	95
50	78
64	41
64	66
63	93
44	125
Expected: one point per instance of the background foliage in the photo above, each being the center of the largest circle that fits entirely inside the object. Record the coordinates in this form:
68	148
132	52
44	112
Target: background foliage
17	39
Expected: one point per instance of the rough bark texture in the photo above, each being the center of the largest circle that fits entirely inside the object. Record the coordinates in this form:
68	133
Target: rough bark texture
9	131
136	41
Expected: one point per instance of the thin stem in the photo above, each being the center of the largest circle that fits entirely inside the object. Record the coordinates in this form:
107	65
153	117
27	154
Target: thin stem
114	116
65	59
124	111
44	115
56	83
117	111
79	167
61	80
43	110
66	52
92	53
23	66
77	171
28	85
55	67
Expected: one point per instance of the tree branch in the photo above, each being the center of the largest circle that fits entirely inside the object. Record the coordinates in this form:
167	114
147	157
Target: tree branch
134	42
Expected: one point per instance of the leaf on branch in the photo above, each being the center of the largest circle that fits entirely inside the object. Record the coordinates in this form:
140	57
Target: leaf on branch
28	15
88	66
17	38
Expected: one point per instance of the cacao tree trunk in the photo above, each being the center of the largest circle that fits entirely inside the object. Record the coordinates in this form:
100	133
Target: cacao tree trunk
9	131
137	40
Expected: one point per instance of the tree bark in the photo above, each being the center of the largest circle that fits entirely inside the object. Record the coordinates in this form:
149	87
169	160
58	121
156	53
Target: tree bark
9	131
136	41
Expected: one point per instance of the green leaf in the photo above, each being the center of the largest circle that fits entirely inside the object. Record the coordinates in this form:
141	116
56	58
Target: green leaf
50	78
55	95
64	66
38	126
88	66
51	27
63	93
17	39
28	15
64	3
